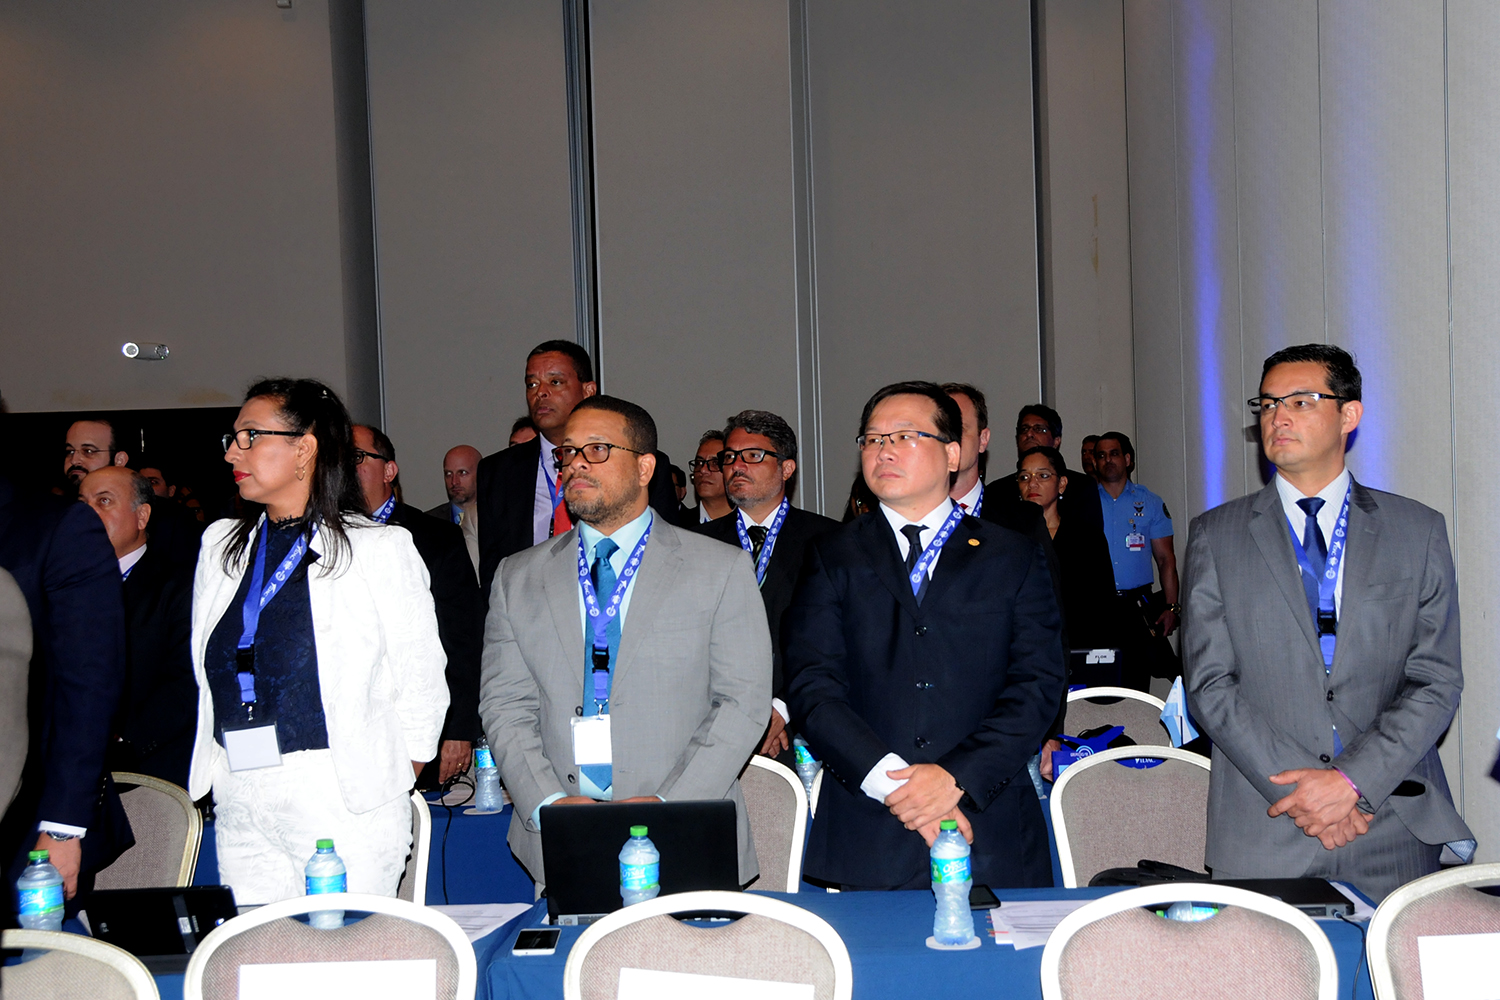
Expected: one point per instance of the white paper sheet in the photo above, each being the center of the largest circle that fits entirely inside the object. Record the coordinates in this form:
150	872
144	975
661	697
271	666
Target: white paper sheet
407	979
1459	966
479	919
1028	923
649	984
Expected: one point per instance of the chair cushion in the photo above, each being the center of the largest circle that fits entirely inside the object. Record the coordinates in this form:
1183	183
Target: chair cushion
61	975
1118	815
771	807
161	832
1142	721
1456	910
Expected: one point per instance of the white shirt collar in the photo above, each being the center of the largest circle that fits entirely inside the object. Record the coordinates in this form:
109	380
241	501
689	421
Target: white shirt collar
751	522
129	559
971	498
933	518
1333	501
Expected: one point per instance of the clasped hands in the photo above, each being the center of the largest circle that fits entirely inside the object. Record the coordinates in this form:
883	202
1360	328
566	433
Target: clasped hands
1323	805
929	796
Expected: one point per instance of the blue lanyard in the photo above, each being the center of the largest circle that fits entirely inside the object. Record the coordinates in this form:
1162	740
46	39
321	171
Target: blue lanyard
267	589
1327	613
455	513
765	546
978	502
552	489
383	515
599	617
930	554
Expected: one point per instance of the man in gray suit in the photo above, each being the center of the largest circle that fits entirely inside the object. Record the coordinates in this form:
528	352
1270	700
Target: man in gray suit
15	667
1320	651
625	660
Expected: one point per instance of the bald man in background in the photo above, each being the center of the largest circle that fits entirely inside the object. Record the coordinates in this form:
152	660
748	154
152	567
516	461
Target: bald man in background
461	481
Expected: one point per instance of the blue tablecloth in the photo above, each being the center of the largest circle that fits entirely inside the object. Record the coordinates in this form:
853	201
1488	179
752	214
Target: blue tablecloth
885	934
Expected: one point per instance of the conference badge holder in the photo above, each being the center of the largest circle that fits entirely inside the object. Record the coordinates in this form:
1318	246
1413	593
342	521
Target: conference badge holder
591	743
251	744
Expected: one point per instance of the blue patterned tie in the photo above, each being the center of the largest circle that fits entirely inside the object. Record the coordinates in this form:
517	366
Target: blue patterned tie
1316	549
604	578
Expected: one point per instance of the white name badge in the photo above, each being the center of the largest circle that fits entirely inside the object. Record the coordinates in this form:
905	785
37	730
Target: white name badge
591	740
250	749
1135	541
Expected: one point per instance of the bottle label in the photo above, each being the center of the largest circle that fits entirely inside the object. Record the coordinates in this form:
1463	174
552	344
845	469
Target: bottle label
950	869
804	755
483	757
43	902
639	877
318	884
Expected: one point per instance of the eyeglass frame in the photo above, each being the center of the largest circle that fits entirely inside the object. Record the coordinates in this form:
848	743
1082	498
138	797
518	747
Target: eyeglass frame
859	440
694	464
233	437
1044	475
360	455
739	453
1254	402
558	464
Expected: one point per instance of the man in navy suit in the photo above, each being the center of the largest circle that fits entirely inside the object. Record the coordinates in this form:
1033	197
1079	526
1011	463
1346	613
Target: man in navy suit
62	560
925	664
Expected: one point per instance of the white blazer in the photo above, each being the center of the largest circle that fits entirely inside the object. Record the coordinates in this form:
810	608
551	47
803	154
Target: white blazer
380	662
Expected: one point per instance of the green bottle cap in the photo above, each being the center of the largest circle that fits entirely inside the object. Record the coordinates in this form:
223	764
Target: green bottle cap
325	845
637	831
37	856
948	824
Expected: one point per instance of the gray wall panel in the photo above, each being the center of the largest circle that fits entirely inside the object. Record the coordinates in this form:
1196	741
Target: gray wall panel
470	146
923	186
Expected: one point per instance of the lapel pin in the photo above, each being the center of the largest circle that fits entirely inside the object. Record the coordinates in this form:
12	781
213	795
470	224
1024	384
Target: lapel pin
973	541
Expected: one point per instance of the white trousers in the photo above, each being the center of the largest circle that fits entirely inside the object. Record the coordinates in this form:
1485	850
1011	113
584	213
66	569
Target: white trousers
269	820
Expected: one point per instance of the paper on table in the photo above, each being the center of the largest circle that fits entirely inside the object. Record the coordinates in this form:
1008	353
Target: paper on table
1028	923
479	919
1459	966
403	979
651	984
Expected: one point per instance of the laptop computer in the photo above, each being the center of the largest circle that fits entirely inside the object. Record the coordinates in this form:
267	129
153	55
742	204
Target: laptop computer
160	926
1315	897
581	851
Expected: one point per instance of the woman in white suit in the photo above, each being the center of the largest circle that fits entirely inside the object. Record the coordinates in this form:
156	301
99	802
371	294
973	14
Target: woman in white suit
315	644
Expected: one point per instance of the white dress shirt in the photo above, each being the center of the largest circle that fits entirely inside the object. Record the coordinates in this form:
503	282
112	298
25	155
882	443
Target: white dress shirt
749	522
877	784
541	506
129	559
1328	517
969	499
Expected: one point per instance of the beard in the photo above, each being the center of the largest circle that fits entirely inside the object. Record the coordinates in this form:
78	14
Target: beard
76	474
602	506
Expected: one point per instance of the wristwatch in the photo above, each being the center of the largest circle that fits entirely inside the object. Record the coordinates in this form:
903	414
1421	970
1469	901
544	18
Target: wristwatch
1176	609
60	837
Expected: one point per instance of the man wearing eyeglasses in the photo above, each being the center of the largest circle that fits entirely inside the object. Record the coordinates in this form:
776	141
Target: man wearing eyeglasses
1321	652
1040	426
759	467
625	659
455	598
708	482
91	443
925	665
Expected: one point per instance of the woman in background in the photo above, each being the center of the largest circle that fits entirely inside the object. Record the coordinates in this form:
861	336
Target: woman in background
316	649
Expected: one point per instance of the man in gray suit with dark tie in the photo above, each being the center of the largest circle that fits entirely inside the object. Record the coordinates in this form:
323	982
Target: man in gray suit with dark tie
1321	655
624	660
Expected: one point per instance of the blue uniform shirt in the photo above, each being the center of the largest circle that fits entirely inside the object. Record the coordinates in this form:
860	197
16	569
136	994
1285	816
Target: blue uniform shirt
1130	525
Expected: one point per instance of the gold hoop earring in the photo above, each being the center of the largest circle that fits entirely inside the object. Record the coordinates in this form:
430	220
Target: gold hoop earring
301	472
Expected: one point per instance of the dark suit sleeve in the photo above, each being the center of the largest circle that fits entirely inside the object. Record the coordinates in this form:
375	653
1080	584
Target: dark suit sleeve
1035	683
814	655
489	504
84	624
460	615
661	492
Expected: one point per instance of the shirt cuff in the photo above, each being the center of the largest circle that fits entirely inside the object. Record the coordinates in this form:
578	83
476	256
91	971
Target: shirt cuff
536	814
47	827
877	784
782	710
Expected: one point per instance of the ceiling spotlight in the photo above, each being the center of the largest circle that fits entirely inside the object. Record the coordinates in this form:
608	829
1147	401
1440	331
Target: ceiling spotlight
144	352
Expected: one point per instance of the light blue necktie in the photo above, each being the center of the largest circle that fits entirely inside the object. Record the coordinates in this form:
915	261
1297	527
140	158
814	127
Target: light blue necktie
604	584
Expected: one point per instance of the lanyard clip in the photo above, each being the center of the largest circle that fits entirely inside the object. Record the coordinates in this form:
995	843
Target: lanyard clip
1327	623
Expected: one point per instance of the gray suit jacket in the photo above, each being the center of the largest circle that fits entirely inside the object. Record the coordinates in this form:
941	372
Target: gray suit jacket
15	667
692	688
1257	687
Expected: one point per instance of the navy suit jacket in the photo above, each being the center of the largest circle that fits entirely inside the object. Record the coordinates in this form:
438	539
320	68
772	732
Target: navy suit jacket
970	680
62	560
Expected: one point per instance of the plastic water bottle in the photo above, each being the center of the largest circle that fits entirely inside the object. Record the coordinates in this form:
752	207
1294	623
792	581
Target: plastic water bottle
807	765
486	779
951	882
640	868
325	872
39	895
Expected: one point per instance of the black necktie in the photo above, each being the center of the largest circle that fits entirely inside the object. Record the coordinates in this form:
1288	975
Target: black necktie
913	533
757	541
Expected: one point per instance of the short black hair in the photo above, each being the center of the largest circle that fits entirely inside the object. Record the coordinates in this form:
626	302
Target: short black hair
1126	447
947	416
140	491
1044	411
164	466
981	408
114	430
767	424
639	426
1089	439
679	478
1344	379
580	358
1052	455
521	424
712	434
383	444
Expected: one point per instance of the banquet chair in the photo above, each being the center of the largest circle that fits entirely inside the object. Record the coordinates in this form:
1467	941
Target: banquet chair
773	940
73	966
395	930
1441	904
1138	712
776	805
1110	815
413	885
168	832
1256	947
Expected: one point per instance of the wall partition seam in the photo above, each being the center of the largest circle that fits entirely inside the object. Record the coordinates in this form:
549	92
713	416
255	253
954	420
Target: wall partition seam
805	285
1239	238
577	64
1177	209
1458	717
1046	332
1135	393
1322	186
374	229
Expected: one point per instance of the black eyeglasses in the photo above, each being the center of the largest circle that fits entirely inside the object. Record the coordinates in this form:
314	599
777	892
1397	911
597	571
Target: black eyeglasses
898	439
245	437
703	463
752	456
360	456
594	453
1296	402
